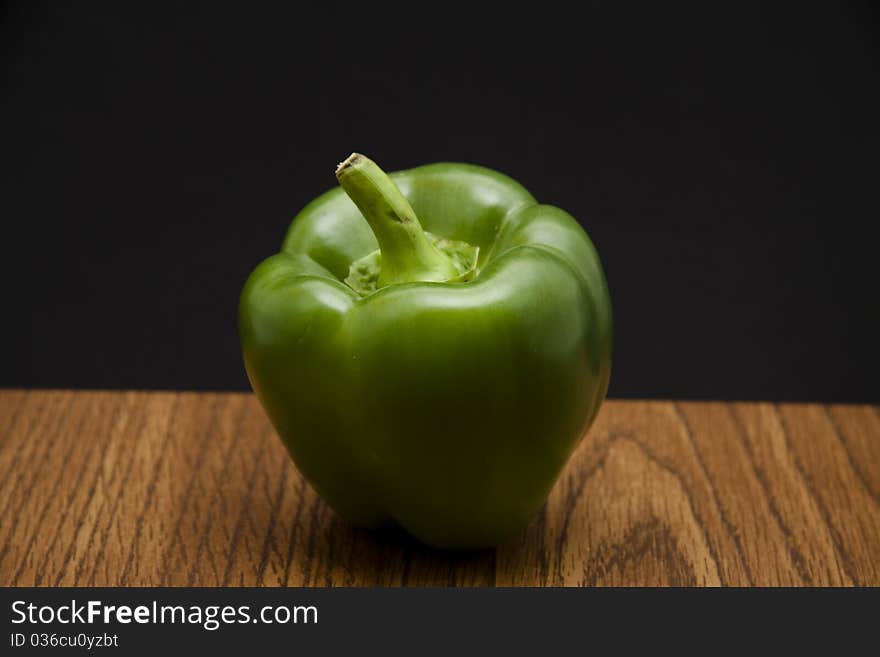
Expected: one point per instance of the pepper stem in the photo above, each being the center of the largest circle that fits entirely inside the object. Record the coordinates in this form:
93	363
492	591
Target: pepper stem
407	255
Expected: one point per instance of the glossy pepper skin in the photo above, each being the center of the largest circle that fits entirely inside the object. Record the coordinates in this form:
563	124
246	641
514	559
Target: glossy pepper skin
449	409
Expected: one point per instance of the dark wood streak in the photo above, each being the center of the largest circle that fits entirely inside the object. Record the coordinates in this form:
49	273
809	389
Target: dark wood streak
574	493
269	542
543	565
809	486
331	544
844	443
646	500
71	498
688	496
111	515
204	441
641	539
294	529
797	559
80	521
245	508
13	420
21	470
314	508
30	489
493	579
151	492
351	536
407	565
219	482
716	499
584	476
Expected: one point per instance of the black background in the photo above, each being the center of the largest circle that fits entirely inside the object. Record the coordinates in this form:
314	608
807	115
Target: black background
724	160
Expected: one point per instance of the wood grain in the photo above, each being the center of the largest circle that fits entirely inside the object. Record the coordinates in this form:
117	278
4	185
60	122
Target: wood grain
187	489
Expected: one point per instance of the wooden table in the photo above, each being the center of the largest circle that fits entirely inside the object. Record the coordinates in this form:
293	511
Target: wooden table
138	488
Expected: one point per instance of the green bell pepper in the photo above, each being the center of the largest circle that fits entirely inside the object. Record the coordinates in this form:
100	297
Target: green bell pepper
437	380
